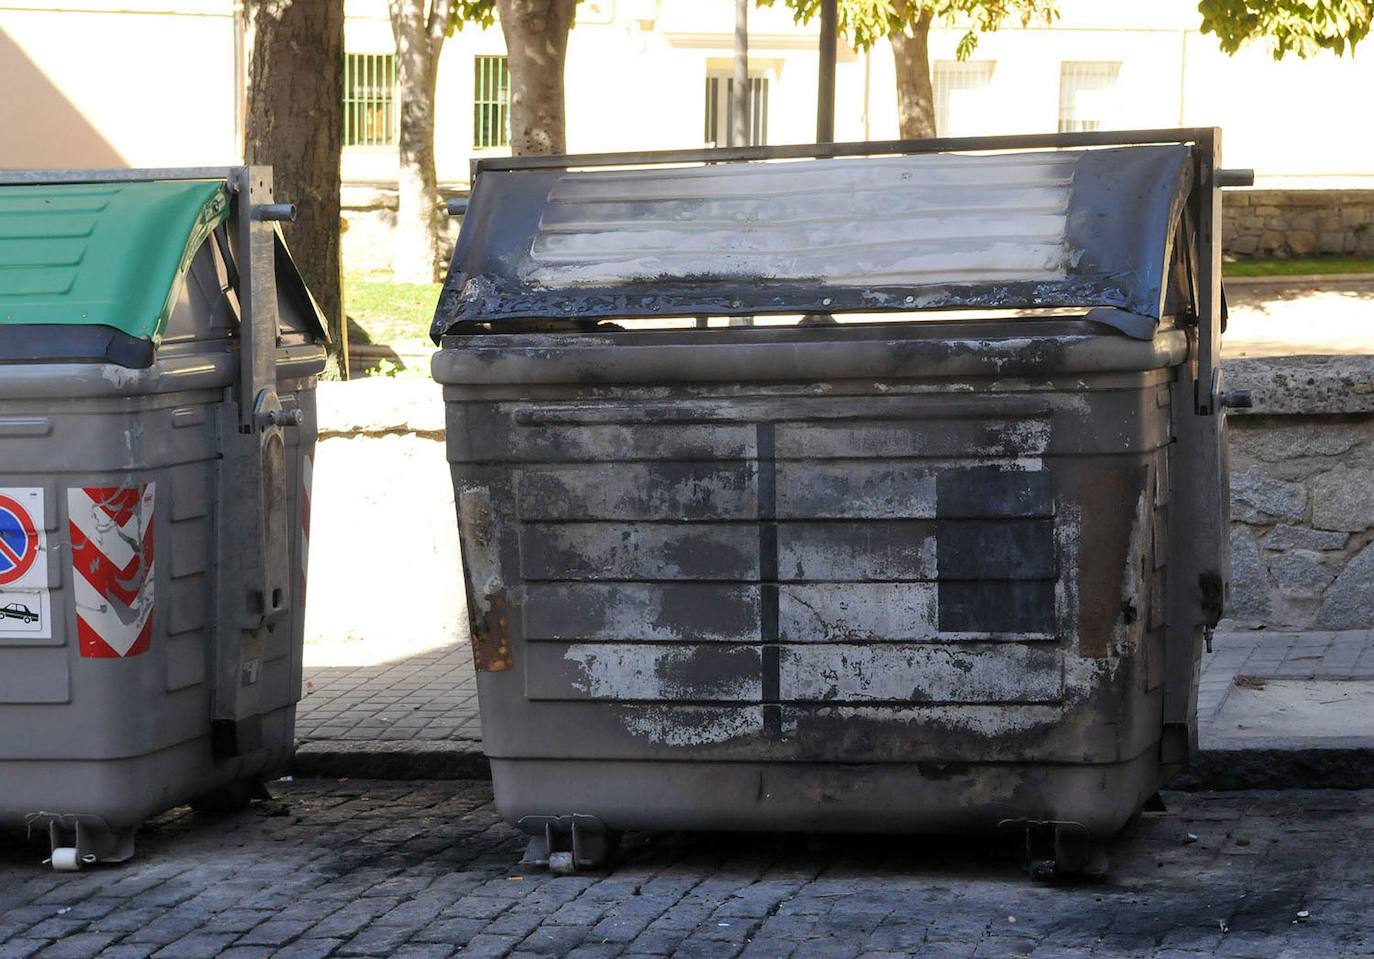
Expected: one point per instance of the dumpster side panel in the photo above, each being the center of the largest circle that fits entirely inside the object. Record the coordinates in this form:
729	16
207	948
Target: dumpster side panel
950	591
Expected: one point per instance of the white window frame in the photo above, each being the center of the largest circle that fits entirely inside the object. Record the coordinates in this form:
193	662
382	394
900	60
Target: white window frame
956	75
1086	76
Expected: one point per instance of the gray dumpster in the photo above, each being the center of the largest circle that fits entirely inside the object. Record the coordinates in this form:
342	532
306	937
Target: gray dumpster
158	355
886	567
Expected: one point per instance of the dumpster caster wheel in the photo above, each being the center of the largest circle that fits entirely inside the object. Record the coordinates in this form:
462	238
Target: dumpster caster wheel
1063	850
67	859
77	842
566	844
1078	855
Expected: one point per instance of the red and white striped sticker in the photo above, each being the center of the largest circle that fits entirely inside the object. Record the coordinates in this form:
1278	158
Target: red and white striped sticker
112	557
307	478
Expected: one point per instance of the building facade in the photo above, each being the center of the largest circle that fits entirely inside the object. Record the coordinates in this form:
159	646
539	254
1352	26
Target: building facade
158	82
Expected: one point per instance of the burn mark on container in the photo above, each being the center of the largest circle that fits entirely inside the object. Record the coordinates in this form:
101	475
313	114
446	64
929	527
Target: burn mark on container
1108	519
488	610
997	606
1012	549
1212	593
491	635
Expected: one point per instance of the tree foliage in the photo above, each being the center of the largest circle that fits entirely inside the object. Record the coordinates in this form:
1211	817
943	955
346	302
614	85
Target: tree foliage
481	13
864	22
1290	26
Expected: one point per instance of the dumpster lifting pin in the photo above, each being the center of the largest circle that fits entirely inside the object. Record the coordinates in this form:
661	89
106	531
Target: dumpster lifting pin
285	418
283	212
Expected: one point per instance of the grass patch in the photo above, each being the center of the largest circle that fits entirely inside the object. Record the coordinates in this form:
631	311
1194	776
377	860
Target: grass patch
1325	264
391	313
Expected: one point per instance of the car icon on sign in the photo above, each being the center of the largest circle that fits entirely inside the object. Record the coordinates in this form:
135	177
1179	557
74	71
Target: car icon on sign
18	611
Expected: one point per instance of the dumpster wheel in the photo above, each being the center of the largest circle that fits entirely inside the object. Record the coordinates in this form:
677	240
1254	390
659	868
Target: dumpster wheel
69	859
566	844
1061	850
81	841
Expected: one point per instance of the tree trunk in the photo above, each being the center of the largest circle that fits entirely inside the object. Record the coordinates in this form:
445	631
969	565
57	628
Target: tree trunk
419	221
739	92
915	98
537	45
295	125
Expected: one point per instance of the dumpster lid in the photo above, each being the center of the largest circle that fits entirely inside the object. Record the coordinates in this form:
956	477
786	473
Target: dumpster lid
110	254
941	230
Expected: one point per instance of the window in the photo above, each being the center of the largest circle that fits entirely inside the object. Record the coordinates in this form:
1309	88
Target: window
369	99
720	110
490	102
958	86
1086	89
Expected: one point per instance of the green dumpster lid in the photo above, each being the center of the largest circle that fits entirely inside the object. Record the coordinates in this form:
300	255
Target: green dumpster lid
102	254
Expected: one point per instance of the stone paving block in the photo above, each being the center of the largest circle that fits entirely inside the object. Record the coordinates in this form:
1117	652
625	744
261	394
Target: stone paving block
489	947
375	941
275	932
198	945
617	928
127	951
451	931
769	949
707	949
478	907
83	945
599	950
555	940
829	947
655	942
308	949
579	913
514	922
21	948
423	951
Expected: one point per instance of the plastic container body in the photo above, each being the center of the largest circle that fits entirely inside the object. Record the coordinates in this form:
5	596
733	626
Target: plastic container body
105	713
871	578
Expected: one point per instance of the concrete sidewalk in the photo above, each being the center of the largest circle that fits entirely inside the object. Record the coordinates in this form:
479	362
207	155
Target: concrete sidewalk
1276	709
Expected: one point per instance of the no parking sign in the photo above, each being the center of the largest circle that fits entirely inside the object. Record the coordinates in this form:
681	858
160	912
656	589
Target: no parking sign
25	610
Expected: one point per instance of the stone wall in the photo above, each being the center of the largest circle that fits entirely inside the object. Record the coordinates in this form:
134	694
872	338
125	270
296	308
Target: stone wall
369	218
1302	493
1291	223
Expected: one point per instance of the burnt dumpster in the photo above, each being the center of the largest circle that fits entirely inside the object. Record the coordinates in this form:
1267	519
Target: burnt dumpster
933	545
158	355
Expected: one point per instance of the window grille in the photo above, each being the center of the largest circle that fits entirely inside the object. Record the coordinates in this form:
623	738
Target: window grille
490	102
720	110
369	99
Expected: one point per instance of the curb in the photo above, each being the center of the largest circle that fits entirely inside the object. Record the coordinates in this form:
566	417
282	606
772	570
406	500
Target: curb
1305	767
1221	770
1299	279
383	759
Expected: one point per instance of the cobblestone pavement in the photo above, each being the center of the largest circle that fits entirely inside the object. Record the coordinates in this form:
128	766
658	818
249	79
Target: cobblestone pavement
433	697
426	870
